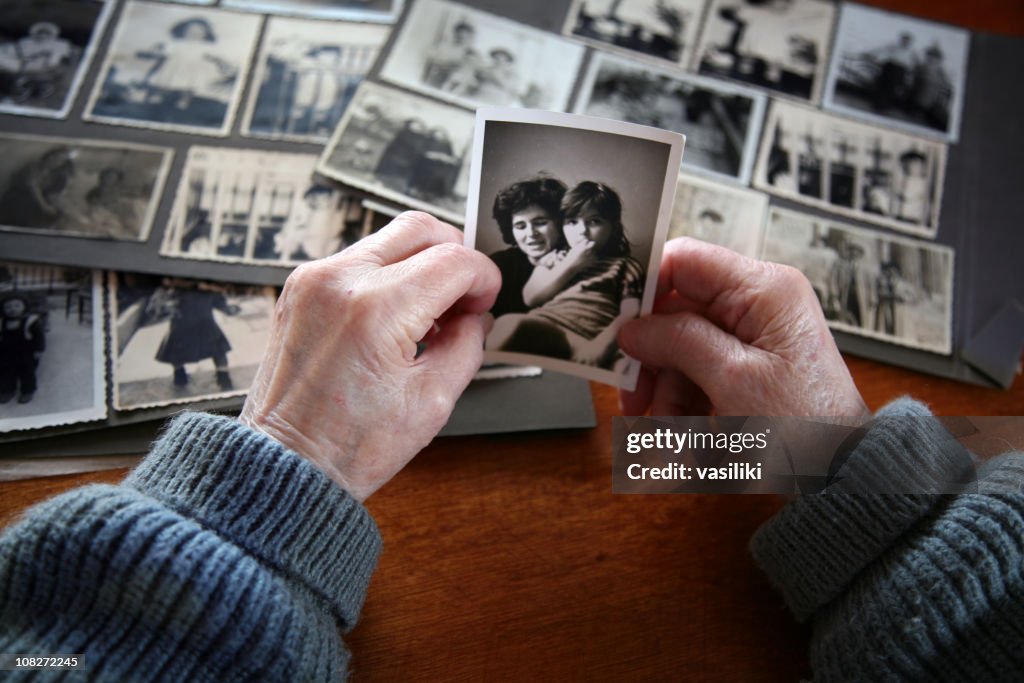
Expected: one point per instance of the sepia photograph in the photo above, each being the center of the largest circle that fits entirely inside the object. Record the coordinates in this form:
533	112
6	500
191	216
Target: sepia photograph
174	67
52	341
660	29
577	238
872	174
263	208
305	76
722	122
383	11
728	216
45	50
779	45
474	59
404	148
898	71
891	288
175	340
80	188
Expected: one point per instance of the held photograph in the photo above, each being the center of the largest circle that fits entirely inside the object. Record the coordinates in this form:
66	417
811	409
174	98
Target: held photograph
657	29
175	67
779	45
45	50
80	188
404	148
383	11
474	59
574	211
891	288
721	121
52	346
728	216
262	208
175	340
872	174
898	71
305	76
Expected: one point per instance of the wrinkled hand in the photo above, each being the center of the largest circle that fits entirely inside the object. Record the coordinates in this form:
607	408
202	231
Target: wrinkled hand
735	336
341	383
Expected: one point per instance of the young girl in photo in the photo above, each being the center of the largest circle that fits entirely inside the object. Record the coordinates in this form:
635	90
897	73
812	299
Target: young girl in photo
579	296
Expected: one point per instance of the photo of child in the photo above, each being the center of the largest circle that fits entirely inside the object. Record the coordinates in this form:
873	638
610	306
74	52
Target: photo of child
22	342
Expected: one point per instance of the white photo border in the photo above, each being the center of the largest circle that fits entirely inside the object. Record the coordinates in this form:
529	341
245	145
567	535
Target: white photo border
332	14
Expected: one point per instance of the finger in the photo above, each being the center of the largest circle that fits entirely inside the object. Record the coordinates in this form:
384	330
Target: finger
676	394
452	358
408	234
707	273
637	401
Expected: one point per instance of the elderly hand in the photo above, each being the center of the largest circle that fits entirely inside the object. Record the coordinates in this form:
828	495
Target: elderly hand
736	336
341	382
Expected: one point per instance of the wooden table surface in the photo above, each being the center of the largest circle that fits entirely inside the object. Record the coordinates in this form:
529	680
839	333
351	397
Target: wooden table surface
507	557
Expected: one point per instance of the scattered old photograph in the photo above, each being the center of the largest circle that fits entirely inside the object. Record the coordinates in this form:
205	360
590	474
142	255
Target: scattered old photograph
266	208
175	340
405	148
578	240
52	346
175	67
898	71
384	11
722	122
45	50
306	74
80	188
721	214
661	29
896	289
779	45
475	59
872	174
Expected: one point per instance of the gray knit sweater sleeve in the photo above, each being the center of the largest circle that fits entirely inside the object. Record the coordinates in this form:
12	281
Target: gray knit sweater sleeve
222	557
907	587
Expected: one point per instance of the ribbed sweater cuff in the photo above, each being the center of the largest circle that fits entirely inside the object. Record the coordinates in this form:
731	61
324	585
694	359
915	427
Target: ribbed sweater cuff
267	500
818	544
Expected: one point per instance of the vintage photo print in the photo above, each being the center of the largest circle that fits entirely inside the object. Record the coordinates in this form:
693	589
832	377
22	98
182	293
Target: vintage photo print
175	67
45	50
306	74
721	214
249	206
80	188
872	174
722	122
574	211
896	289
405	148
383	11
477	59
660	29
779	45
52	352
175	340
898	71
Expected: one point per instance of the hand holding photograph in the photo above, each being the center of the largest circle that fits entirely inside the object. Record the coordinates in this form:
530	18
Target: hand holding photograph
574	211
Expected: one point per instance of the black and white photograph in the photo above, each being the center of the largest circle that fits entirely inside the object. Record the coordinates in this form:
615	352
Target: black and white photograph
382	11
721	121
474	59
898	71
891	288
855	169
574	211
250	206
728	216
175	67
404	148
45	49
658	29
780	45
80	188
52	352
306	75
175	340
